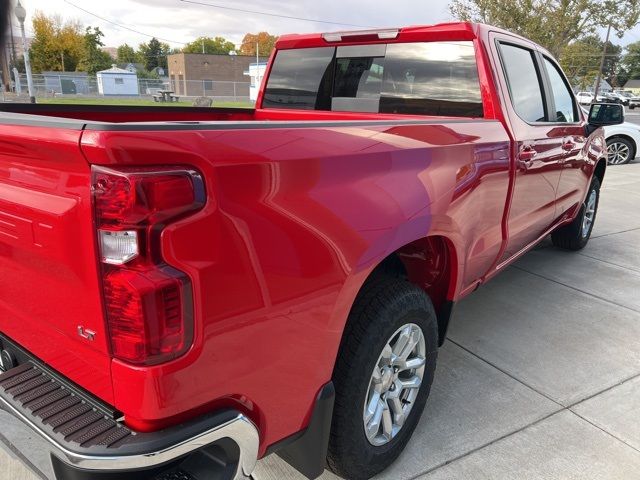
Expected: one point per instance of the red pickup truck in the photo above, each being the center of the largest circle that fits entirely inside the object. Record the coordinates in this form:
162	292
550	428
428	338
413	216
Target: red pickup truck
186	290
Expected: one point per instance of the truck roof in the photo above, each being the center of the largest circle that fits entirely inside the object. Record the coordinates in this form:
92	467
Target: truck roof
450	31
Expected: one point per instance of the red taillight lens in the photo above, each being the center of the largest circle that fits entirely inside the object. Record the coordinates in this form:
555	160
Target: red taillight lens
149	305
148	321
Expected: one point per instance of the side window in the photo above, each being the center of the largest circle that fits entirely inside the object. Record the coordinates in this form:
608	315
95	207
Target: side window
524	83
565	107
301	79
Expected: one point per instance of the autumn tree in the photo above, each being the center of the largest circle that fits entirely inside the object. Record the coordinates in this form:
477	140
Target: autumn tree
554	24
263	40
209	45
57	44
93	57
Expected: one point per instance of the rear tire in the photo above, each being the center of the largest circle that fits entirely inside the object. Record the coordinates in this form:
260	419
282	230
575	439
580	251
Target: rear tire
576	235
369	376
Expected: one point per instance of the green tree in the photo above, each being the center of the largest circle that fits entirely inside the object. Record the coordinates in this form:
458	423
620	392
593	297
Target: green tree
154	54
126	54
631	61
94	58
554	24
580	60
217	45
263	40
57	44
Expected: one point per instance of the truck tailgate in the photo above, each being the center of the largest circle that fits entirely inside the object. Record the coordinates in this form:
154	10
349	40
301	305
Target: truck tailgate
49	281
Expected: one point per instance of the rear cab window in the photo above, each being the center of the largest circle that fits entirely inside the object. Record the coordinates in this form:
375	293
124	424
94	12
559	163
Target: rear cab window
422	78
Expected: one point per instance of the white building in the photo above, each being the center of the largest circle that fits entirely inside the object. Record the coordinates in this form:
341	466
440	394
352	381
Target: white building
257	72
117	81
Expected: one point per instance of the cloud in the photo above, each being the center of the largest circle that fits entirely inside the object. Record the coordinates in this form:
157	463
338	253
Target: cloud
182	22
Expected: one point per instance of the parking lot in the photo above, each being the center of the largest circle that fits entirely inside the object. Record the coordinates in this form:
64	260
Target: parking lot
540	377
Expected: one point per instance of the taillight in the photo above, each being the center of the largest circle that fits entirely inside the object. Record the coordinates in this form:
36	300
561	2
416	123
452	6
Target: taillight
149	304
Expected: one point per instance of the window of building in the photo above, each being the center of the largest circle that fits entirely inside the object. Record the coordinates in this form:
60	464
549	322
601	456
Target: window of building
208	85
524	83
119	81
565	106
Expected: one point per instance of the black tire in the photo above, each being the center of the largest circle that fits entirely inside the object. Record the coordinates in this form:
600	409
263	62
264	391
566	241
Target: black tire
572	236
383	306
620	142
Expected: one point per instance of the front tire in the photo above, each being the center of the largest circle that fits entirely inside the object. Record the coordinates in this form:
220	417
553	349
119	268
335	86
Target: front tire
620	151
576	235
383	375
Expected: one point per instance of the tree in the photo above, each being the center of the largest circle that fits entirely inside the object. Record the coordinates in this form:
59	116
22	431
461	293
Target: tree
580	60
126	54
57	45
631	61
263	40
94	58
154	54
554	24
211	46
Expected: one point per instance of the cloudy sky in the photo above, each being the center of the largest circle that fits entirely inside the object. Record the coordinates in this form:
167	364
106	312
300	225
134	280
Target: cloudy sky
178	21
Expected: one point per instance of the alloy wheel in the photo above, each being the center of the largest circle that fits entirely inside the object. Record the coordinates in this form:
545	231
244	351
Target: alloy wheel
618	153
394	384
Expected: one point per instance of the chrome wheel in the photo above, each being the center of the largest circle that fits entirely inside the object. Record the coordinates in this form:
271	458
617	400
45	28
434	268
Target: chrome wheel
618	153
589	213
394	384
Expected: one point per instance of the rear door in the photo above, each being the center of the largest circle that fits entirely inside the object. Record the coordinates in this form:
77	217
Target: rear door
537	143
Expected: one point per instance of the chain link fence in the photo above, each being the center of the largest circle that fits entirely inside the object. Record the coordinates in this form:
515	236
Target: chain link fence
82	85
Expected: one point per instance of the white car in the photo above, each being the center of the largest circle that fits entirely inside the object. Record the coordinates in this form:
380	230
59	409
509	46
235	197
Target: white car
584	98
622	141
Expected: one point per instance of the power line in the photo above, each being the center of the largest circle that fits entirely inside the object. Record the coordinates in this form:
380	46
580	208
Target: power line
121	26
289	17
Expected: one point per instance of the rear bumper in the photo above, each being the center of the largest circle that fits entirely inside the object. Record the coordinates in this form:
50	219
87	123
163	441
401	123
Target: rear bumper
48	419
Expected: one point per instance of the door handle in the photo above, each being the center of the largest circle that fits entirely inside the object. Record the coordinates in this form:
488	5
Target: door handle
526	156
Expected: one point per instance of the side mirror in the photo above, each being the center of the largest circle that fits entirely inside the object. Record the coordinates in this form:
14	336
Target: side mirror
602	114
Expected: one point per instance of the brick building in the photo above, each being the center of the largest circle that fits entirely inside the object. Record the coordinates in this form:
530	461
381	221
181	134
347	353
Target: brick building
197	74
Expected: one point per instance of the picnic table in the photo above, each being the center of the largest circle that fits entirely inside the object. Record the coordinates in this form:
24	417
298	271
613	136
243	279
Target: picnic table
165	96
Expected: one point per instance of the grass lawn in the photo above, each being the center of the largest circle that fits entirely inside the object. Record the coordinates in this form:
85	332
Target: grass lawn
132	102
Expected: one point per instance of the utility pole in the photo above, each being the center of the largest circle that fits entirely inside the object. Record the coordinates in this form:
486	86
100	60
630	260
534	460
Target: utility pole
203	45
257	65
21	15
604	54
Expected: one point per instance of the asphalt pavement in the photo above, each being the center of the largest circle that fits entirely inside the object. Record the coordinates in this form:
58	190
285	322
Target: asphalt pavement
540	376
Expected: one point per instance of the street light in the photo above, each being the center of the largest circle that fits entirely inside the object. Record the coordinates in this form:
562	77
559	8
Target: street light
21	15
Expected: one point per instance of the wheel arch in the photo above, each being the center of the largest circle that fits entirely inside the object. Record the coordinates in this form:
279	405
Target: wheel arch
431	263
600	170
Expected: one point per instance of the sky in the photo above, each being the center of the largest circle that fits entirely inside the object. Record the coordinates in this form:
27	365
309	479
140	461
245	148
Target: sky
179	21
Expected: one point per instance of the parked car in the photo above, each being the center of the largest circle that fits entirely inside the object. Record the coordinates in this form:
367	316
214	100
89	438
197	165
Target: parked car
618	98
622	142
585	98
186	290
